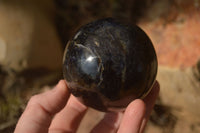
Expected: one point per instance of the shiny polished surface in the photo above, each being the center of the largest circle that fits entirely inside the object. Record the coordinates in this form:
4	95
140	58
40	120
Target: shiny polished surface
108	64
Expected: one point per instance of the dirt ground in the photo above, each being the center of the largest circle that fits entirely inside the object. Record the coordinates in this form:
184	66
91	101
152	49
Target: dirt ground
33	35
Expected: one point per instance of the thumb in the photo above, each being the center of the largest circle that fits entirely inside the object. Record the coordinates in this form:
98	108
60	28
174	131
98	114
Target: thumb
41	108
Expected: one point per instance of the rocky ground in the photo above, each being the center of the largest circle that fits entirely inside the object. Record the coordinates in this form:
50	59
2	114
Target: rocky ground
34	33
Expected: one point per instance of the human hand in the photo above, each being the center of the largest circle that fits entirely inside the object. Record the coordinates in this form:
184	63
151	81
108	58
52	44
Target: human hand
55	111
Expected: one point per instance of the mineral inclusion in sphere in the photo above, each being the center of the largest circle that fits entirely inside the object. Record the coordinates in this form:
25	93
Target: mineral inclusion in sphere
108	64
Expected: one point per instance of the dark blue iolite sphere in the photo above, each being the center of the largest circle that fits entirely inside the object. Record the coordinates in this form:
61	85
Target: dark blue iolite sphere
108	64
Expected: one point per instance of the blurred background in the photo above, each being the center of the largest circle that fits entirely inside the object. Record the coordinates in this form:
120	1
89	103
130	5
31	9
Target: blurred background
33	34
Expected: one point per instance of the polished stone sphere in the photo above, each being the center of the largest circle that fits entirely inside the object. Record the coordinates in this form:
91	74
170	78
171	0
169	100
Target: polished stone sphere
108	64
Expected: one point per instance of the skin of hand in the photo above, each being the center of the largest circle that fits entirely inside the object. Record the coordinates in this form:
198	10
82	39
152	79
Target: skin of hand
56	111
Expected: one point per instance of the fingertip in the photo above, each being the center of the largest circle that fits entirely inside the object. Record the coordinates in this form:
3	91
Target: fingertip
110	123
75	103
70	117
62	84
62	90
133	117
61	95
135	107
